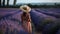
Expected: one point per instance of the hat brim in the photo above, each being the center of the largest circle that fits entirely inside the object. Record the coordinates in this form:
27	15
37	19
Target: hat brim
28	8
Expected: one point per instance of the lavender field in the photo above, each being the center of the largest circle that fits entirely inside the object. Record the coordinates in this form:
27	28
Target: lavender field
45	20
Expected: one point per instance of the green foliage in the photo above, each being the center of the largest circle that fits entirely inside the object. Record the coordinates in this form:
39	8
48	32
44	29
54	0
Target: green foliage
46	21
32	6
1	32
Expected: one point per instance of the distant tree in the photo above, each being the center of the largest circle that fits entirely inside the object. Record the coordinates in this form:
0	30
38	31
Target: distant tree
14	2
7	2
55	3
0	2
3	2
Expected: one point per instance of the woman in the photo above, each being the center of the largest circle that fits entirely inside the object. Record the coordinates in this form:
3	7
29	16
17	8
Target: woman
26	20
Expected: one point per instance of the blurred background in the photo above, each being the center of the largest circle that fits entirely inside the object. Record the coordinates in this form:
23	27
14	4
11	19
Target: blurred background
31	3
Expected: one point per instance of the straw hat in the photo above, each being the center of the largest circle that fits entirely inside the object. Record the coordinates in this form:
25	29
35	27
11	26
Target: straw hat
25	8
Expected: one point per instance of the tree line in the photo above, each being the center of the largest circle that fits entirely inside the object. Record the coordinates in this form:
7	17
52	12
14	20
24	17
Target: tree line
3	2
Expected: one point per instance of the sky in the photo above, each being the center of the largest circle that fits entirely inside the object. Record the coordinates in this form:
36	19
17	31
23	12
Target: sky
33	1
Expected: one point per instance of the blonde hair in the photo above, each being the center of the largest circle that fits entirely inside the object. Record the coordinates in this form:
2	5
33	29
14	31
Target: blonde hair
27	8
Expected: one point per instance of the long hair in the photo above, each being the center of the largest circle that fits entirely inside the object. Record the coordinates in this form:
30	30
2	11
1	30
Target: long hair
26	21
25	17
24	13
